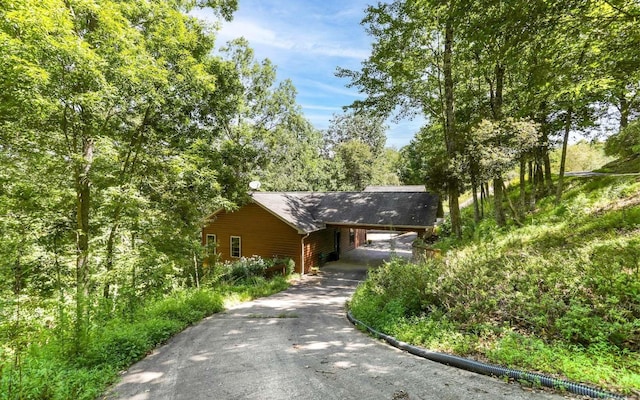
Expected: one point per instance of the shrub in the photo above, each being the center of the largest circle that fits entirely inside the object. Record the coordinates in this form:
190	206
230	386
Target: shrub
247	269
118	345
187	307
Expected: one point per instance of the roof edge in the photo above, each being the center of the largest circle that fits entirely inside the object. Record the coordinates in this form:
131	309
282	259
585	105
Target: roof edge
275	214
382	225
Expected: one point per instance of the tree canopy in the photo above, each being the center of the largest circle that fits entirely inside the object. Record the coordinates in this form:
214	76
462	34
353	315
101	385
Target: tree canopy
469	68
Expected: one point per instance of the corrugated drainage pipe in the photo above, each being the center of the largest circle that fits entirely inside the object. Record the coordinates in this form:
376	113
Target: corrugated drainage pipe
489	369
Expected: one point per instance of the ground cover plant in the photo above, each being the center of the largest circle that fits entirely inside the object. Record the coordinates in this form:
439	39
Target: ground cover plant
44	366
561	294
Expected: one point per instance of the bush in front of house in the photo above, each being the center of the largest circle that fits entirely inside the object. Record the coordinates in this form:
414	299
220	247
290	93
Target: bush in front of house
250	268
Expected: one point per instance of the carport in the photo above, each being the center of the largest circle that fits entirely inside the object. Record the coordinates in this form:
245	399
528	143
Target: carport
381	246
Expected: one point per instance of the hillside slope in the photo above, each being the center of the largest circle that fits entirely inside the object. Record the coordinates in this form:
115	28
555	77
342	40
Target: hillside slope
560	294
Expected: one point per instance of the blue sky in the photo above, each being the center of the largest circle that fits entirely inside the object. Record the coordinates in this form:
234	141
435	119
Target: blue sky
307	40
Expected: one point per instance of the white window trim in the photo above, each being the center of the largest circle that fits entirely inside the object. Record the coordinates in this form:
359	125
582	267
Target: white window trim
239	246
207	242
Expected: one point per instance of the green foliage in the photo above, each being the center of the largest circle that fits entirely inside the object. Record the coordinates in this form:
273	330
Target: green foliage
386	168
623	166
247	269
367	129
566	283
626	142
581	156
46	371
356	156
268	137
140	131
353	165
43	376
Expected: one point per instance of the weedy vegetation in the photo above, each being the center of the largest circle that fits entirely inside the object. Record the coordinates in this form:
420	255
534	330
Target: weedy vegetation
559	295
43	364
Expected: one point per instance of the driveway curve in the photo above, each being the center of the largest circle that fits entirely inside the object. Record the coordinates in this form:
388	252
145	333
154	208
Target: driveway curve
298	344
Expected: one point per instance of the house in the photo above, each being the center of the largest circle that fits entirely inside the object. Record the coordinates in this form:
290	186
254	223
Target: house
402	188
309	227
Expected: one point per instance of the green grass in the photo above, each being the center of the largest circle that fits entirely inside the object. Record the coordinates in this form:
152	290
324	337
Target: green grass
623	166
48	371
560	295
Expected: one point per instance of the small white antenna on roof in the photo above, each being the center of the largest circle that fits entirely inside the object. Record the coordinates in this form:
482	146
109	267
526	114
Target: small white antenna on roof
254	185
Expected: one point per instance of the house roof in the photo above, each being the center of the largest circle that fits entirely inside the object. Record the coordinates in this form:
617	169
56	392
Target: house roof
401	188
308	212
294	208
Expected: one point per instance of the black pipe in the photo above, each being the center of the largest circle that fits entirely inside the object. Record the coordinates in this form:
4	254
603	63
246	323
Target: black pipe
490	369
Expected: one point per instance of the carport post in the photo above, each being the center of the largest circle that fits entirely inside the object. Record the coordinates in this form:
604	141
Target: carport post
302	255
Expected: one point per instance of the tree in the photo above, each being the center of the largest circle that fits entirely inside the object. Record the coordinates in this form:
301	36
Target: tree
497	147
625	143
617	23
368	129
386	168
103	77
411	70
353	165
267	138
424	162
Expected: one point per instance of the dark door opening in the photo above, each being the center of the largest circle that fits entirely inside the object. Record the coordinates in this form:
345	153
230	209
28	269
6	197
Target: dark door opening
336	245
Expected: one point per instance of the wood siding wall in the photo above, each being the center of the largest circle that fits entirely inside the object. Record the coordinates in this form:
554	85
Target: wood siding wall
265	235
262	233
319	242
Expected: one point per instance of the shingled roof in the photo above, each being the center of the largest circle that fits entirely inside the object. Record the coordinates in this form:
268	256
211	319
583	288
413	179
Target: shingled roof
308	212
400	188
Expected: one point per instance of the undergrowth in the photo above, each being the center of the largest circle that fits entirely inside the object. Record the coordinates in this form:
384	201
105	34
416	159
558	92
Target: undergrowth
48	371
560	294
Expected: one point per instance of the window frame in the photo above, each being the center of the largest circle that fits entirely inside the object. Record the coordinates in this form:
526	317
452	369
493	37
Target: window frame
231	252
207	242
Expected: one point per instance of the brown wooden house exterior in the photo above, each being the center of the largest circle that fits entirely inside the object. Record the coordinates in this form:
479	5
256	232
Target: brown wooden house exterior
306	227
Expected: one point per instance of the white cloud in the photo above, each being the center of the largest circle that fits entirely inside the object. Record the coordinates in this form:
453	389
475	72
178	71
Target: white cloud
320	108
287	37
340	90
255	34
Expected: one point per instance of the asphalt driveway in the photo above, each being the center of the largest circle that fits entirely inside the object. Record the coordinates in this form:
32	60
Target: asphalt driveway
298	344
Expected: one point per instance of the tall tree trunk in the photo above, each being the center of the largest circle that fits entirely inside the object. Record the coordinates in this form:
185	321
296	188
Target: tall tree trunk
110	252
83	199
498	100
195	269
497	202
523	187
563	159
540	185
532	182
498	193
450	129
483	197
514	212
624	111
548	180
124	177
476	206
543	149
474	192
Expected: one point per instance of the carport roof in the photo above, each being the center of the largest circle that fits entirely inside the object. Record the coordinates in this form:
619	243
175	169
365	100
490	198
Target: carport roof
311	211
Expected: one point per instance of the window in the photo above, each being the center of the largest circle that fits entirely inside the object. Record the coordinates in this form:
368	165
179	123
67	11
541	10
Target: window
352	236
211	243
236	246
